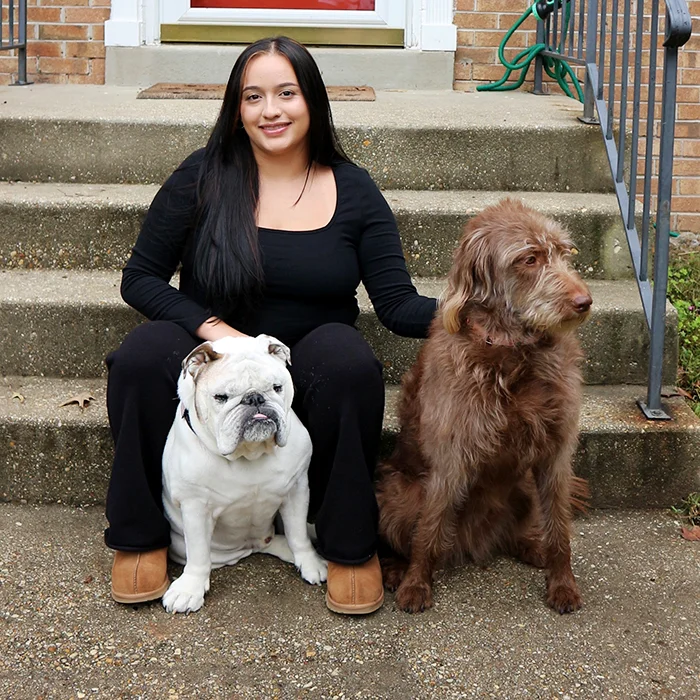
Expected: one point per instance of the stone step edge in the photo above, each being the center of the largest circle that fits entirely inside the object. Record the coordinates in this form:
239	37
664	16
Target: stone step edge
58	287
93	227
392	109
117	195
38	306
62	455
606	408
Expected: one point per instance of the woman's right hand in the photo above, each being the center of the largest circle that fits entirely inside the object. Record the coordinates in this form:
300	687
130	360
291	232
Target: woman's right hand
214	328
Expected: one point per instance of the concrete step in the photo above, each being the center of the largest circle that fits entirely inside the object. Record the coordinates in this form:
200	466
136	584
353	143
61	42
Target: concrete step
381	68
63	323
68	225
63	454
264	633
439	140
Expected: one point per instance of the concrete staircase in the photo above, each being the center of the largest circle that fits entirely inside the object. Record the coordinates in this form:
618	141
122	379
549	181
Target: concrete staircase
79	166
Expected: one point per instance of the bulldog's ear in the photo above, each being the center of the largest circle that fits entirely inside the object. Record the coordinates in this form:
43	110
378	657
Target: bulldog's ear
277	348
198	358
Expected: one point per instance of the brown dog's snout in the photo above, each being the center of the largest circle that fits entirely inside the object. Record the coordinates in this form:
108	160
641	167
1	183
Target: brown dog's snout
581	303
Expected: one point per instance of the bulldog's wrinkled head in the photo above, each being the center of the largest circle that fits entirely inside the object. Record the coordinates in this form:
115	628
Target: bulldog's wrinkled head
239	392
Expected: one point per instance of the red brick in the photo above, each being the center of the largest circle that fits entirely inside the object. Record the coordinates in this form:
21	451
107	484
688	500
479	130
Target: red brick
465	38
690	148
100	3
688	112
488	73
64	65
50	78
687	130
97	70
683	167
477	55
85	49
61	3
687	94
687	222
53	49
97	32
84	79
462	5
689	59
476	20
501	5
690	76
686	205
63	31
493	39
89	15
43	14
689	185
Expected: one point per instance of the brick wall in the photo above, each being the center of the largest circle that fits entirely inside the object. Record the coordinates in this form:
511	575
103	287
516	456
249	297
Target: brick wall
65	42
483	23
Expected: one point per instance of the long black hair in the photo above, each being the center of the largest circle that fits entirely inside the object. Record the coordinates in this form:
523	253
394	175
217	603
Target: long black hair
227	256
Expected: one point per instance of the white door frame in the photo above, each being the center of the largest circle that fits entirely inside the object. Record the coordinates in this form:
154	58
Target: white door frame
386	14
427	23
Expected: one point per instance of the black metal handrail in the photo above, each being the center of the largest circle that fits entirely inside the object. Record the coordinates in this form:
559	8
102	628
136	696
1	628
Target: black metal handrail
9	41
580	32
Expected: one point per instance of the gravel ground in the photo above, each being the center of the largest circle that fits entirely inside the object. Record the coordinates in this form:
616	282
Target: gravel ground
264	633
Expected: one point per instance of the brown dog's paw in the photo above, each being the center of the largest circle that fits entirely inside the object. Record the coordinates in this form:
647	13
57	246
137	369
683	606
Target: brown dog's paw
414	597
393	571
564	598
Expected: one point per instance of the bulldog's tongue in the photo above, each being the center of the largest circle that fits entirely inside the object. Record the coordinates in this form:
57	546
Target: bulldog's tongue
259	415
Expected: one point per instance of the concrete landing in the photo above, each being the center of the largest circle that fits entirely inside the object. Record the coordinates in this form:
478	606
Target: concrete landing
437	140
264	633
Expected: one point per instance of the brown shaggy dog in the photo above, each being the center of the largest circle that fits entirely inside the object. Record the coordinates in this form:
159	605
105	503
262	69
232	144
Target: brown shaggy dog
489	414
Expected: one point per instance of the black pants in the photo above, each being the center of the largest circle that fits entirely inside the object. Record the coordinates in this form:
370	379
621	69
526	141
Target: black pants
339	396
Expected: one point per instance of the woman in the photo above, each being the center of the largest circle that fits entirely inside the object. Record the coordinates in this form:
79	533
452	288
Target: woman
273	228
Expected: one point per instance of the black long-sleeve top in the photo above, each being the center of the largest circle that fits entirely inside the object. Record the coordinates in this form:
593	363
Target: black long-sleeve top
310	277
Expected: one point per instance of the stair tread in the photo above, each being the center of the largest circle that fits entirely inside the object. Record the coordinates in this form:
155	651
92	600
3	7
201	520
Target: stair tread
412	109
609	408
101	287
72	194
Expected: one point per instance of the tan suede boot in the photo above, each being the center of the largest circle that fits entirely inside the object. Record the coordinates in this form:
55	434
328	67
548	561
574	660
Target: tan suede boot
355	589
140	576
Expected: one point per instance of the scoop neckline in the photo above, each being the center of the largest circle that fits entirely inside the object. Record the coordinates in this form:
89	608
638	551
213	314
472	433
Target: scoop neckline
312	230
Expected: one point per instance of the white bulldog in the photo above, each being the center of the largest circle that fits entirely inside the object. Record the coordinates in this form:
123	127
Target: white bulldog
235	456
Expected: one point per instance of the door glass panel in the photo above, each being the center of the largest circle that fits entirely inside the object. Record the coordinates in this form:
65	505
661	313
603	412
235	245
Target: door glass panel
288	5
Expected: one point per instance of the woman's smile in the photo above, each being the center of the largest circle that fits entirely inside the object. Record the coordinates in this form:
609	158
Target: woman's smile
275	129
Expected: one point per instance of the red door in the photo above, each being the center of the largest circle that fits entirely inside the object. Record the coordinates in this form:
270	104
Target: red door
288	5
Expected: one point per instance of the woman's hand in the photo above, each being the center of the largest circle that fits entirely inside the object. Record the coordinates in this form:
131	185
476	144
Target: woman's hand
214	328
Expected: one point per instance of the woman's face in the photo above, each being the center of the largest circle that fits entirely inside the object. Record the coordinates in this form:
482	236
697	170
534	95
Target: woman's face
273	110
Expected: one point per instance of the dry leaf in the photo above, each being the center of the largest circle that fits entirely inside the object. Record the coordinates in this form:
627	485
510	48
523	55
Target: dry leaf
18	396
678	391
692	534
83	400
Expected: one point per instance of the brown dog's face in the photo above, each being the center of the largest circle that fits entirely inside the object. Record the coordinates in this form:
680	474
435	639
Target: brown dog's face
514	263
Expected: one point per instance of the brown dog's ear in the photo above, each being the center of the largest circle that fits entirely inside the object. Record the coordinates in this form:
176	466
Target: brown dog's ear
198	358
464	281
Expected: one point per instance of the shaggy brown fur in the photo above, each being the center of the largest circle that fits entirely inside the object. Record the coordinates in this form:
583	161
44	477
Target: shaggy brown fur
489	414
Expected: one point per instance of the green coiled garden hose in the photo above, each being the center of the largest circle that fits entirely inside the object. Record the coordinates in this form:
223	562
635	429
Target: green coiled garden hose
557	68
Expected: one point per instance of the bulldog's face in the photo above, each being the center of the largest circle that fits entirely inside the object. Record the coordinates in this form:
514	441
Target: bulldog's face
240	392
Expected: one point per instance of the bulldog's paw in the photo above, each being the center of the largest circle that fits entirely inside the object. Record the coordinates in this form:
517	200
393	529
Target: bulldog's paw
313	568
186	594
